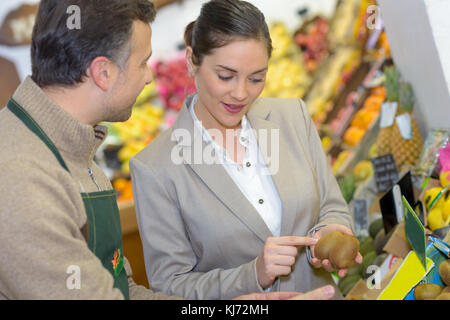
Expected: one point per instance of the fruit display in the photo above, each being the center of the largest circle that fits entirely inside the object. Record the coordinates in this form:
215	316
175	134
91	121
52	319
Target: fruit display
371	249
427	291
365	117
123	188
347	185
433	291
312	39
363	170
444	272
286	76
137	132
437	203
330	79
173	83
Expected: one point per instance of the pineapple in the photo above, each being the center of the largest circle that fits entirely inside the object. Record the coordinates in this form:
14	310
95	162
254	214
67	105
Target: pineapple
392	88
406	152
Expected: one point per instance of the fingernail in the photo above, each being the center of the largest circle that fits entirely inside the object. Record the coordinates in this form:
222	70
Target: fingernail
313	240
329	290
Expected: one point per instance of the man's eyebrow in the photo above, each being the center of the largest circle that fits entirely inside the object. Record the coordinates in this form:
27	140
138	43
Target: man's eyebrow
232	70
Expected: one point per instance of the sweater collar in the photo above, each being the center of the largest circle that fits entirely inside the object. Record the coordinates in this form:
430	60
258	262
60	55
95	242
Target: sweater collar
69	135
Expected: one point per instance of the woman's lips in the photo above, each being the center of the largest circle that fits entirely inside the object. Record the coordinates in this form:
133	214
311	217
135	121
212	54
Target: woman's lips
233	108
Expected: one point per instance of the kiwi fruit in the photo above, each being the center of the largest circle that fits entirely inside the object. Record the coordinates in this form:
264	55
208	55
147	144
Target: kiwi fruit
444	272
355	268
344	251
427	291
443	296
375	227
366	246
325	243
380	241
347	283
341	249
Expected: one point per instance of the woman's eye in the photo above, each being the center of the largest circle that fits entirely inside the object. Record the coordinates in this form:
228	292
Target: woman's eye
256	80
224	78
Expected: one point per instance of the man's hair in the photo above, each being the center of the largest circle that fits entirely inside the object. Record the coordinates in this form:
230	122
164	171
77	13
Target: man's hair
62	53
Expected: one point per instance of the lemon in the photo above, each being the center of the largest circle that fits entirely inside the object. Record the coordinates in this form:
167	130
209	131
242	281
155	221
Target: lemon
435	219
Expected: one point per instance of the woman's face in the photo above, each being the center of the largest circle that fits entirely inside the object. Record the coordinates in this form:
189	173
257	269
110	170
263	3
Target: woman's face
228	81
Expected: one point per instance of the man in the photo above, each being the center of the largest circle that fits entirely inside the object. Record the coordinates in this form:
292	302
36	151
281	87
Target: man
60	230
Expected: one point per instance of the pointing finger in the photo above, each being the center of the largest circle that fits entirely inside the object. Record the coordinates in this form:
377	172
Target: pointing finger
323	293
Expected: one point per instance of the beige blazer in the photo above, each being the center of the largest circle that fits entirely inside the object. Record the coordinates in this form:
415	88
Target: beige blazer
200	234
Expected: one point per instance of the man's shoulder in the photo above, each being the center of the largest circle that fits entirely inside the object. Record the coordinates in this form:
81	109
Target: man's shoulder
18	143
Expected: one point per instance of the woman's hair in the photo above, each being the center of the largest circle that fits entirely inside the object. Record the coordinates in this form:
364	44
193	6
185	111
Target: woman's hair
60	55
223	21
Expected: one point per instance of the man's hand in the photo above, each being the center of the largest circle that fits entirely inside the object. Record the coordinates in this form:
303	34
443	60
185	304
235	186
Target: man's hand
323	293
326	264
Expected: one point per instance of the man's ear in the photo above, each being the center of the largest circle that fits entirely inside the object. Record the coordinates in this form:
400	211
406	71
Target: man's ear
189	63
103	72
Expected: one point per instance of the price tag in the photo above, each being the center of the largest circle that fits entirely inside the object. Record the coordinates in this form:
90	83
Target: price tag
404	124
360	215
385	171
387	117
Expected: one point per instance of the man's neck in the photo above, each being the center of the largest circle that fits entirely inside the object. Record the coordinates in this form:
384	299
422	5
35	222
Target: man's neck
75	101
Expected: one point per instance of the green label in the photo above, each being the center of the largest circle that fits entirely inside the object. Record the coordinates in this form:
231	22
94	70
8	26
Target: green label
415	232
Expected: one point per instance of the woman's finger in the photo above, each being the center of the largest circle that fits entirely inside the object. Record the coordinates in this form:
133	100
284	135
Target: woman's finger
316	263
281	250
282	260
326	264
294	241
277	270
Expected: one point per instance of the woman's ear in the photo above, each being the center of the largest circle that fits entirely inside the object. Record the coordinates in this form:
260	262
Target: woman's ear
189	62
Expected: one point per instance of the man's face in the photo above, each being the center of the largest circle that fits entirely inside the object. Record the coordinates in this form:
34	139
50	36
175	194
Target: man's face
134	78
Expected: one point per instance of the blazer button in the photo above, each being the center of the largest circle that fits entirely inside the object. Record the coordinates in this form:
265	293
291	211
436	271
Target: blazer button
261	201
248	164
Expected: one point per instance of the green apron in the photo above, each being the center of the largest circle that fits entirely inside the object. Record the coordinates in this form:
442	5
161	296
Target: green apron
105	232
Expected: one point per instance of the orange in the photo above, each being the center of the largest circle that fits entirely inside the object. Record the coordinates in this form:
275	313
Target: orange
353	135
373	103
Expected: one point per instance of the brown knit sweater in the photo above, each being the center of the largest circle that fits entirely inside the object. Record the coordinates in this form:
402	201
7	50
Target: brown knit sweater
41	211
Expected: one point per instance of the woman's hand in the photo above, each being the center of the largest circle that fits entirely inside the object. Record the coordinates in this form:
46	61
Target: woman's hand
278	256
326	263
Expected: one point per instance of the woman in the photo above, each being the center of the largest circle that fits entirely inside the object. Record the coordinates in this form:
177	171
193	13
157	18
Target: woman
228	198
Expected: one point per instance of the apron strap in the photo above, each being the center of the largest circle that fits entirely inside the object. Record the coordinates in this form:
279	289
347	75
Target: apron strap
23	115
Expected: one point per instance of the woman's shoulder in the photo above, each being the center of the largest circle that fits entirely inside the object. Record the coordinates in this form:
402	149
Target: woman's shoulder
158	151
286	109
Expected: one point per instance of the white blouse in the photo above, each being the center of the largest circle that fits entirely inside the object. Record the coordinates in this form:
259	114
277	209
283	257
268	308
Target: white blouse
253	177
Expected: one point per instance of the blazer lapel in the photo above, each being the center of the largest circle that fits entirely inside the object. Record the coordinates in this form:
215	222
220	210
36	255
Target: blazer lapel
276	154
217	179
